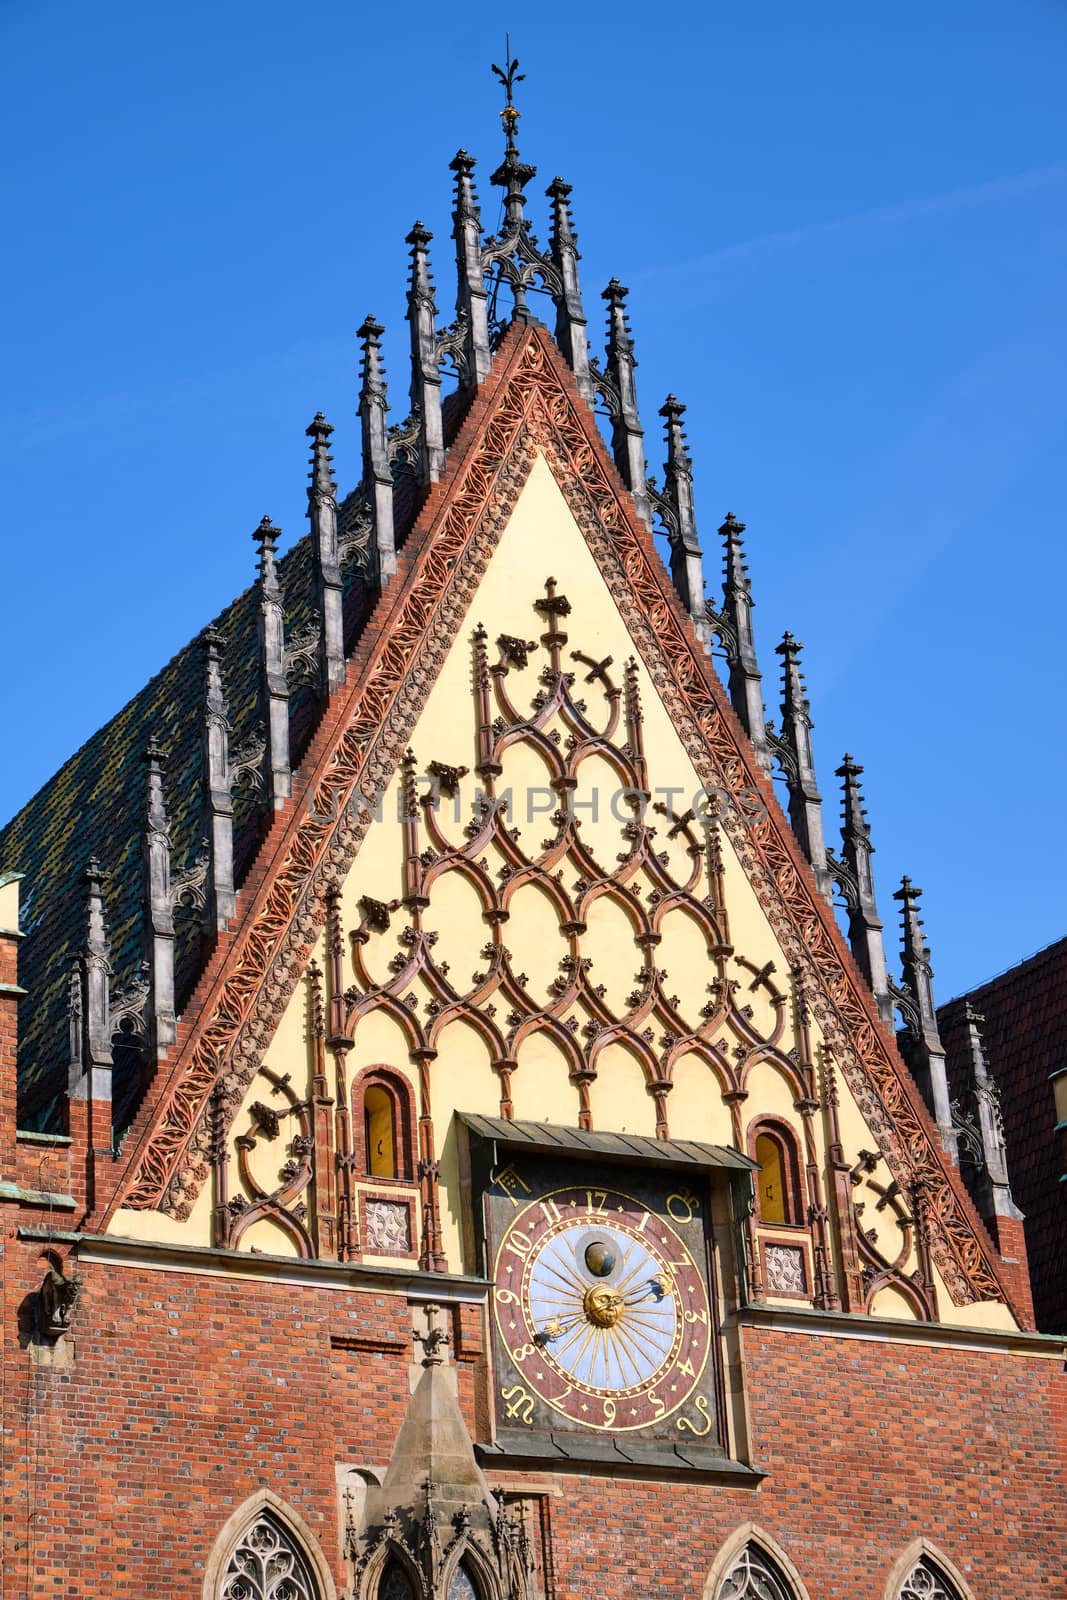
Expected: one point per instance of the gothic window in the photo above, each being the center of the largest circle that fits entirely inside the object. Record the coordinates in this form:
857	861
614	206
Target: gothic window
268	1565
395	1584
461	1586
926	1581
379	1126
778	1180
754	1576
382	1113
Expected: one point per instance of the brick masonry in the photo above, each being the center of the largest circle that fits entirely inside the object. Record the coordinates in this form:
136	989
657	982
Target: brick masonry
188	1392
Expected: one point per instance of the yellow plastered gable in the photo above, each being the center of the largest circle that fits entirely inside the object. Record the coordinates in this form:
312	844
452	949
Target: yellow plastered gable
542	542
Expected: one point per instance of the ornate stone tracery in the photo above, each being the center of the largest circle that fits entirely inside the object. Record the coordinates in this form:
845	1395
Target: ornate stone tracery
268	1565
534	410
754	1576
927	1582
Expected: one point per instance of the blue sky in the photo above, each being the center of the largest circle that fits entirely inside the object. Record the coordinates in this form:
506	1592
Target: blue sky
844	231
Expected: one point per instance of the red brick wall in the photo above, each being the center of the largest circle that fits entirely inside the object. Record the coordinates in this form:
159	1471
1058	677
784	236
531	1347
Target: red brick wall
188	1393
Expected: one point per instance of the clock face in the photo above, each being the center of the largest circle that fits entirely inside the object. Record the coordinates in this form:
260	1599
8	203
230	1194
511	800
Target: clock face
602	1309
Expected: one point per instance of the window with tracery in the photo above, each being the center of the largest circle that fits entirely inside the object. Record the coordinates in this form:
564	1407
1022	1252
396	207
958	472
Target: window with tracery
395	1584
926	1581
461	1585
268	1565
754	1576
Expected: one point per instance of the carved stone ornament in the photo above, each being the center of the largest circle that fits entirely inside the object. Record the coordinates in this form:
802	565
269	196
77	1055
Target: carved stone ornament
388	1227
268	1565
784	1264
57	1300
534	411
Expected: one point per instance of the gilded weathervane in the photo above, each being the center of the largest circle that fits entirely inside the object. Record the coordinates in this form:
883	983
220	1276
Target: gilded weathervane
509	76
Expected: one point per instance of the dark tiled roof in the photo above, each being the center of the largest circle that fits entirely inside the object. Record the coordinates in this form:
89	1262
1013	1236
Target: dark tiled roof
1025	1034
95	805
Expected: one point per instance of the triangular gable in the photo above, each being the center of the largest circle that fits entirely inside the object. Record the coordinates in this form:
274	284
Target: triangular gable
528	404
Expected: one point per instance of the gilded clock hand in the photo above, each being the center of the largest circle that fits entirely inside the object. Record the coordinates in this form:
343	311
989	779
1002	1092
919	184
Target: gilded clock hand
661	1287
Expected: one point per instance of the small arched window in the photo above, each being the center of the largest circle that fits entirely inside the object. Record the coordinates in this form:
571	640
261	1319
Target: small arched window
379	1131
778	1179
754	1575
926	1581
383	1124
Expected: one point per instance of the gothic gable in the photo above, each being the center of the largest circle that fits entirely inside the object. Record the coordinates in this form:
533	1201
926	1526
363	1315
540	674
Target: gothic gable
526	411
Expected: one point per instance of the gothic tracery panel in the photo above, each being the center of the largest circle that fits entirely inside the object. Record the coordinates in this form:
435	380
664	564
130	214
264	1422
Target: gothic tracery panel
754	1576
268	1565
925	1581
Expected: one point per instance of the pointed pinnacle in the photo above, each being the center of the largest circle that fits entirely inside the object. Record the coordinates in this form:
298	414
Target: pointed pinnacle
794	698
321	474
855	818
735	573
213	641
677	449
563	233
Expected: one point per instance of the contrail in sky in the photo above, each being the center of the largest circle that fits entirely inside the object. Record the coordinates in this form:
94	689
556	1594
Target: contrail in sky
966	198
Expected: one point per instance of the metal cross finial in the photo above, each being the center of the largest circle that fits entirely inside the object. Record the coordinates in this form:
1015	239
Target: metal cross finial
509	76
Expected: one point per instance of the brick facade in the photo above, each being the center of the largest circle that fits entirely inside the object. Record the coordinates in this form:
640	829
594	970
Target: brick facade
189	1392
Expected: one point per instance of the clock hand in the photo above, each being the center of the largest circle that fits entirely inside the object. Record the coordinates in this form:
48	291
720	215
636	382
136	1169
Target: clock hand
662	1287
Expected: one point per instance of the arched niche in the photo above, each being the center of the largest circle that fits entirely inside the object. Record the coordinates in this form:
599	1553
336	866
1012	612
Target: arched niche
264	1525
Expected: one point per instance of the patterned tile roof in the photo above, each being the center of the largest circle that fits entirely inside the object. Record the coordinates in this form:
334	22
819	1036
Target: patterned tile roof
95	806
1025	1034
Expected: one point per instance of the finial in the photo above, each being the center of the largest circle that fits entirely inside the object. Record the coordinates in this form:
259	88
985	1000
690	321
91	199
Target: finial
370	333
322	515
91	1064
214	642
796	754
509	76
627	435
157	930
687	562
157	810
570	316
266	537
319	431
921	1040
856	880
733	626
854	816
425	388
377	472
512	175
471	298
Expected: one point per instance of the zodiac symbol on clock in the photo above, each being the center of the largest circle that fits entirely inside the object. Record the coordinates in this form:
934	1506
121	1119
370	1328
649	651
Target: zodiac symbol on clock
520	1403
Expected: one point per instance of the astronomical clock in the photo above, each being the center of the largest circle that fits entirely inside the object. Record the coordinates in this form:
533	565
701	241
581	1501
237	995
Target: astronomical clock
604	1326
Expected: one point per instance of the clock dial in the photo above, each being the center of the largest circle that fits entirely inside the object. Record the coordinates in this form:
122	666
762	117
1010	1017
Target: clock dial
601	1308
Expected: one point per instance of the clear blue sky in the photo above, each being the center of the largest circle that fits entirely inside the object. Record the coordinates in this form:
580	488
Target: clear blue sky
844	228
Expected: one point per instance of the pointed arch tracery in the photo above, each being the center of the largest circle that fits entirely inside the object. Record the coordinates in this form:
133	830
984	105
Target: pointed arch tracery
752	1566
922	1572
266	1551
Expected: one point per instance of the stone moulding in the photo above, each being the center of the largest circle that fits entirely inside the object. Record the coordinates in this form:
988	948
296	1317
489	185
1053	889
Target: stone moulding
531	407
